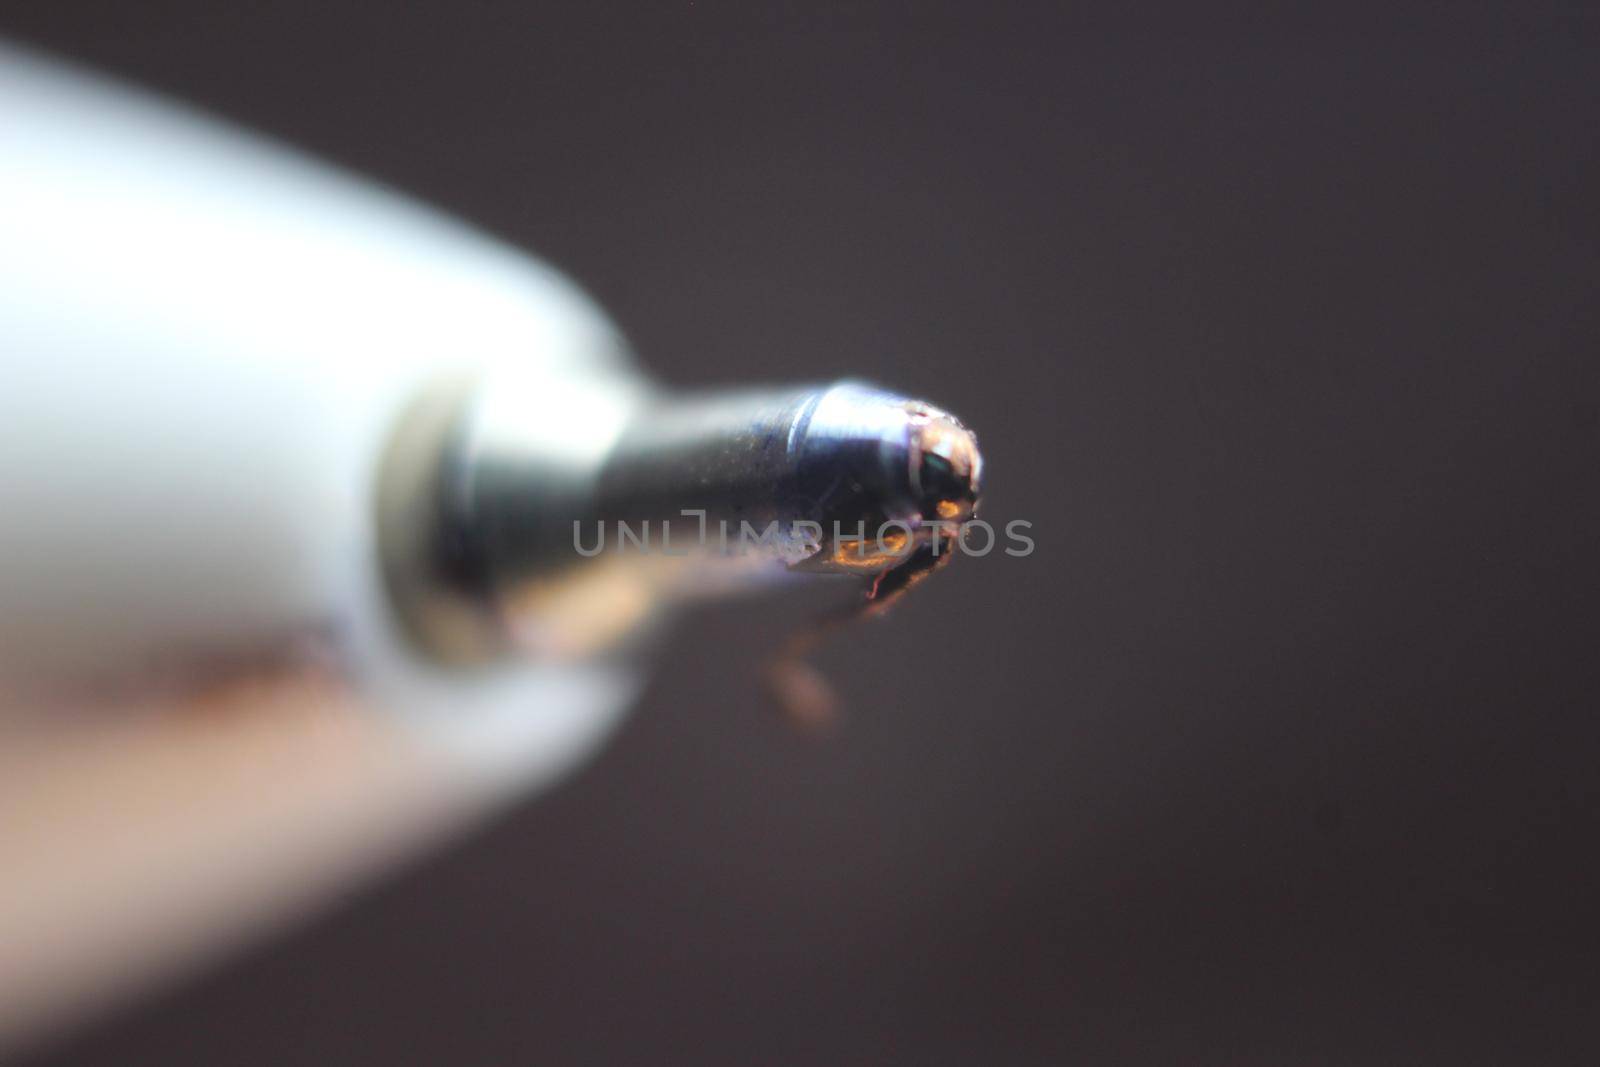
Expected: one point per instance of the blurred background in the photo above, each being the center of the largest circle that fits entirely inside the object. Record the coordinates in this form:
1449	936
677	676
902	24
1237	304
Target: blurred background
1280	748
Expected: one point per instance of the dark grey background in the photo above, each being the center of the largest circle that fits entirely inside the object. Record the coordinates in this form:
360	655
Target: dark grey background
1282	748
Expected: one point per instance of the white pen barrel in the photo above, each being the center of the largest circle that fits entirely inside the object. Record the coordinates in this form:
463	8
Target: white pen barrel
205	700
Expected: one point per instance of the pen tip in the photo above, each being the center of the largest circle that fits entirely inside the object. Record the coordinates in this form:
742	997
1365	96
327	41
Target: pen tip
946	467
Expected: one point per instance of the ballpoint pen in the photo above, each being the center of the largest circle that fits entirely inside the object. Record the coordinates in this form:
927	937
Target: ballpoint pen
305	498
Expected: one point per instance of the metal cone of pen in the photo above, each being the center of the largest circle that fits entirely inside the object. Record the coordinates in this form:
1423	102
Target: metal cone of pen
498	543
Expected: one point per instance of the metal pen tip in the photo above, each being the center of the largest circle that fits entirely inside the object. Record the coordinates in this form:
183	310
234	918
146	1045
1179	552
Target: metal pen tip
890	478
678	496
